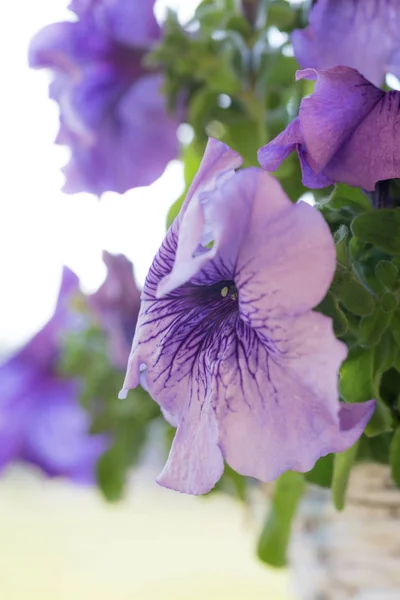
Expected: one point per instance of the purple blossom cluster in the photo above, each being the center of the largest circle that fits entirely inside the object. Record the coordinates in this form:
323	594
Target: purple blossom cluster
41	419
113	116
348	129
227	341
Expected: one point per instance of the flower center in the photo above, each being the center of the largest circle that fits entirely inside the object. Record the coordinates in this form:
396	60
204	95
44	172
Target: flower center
229	290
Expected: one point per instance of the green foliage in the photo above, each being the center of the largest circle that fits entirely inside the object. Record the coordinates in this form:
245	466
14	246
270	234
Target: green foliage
191	157
322	472
380	228
357	376
395	456
387	273
342	465
125	422
330	307
274	539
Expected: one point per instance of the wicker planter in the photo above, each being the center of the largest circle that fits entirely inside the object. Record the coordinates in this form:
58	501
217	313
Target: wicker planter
354	554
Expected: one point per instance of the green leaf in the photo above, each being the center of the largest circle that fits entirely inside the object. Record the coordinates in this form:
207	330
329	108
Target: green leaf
387	273
360	377
381	421
349	201
342	466
395	457
191	156
330	307
110	473
240	137
355	297
395	326
372	327
379	227
388	302
281	15
356	248
357	376
321	473
274	539
374	449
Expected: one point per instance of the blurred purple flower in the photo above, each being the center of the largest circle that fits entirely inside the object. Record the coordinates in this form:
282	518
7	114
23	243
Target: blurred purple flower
347	131
363	34
41	421
116	305
227	343
113	115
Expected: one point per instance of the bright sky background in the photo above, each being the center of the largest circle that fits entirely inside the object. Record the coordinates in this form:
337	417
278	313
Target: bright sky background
40	227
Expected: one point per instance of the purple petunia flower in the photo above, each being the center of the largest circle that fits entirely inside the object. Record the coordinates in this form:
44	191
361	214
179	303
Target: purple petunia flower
41	421
347	131
363	34
116	305
113	115
226	341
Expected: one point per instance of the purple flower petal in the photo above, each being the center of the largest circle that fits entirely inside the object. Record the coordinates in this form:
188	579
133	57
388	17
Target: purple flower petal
195	462
113	115
57	435
346	131
280	239
362	34
278	417
41	420
130	22
116	305
225	336
199	219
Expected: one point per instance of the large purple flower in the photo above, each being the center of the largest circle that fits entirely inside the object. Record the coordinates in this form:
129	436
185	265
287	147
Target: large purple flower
116	305
363	34
41	421
347	131
113	115
226	341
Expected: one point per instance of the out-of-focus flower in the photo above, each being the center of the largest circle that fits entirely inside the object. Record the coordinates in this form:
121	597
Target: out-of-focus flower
227	343
116	305
113	115
41	420
346	132
363	34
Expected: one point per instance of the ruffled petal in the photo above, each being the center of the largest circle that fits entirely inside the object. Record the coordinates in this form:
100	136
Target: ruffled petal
272	420
203	218
348	132
342	99
131	148
286	247
116	306
353	33
195	462
306	346
274	153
